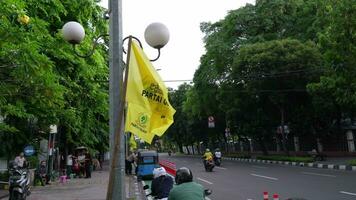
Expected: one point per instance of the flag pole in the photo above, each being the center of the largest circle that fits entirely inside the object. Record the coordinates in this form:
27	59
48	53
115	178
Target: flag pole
118	154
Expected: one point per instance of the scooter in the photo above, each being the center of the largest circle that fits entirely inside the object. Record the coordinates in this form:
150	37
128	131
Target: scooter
209	165
217	161
19	182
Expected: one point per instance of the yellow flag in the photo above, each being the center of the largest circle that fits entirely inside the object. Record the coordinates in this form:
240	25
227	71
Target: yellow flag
149	112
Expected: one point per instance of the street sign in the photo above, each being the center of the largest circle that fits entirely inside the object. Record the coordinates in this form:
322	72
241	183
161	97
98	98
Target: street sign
211	122
29	150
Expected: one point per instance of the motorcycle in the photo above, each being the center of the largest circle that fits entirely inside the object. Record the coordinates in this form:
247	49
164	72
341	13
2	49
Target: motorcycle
217	161
209	165
19	182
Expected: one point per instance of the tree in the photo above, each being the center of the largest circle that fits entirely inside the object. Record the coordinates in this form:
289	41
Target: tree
42	80
281	69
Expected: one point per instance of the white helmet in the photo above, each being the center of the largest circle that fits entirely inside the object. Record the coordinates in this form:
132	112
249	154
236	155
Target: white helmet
157	172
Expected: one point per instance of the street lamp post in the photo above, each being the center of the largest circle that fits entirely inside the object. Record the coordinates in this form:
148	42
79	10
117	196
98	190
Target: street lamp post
157	36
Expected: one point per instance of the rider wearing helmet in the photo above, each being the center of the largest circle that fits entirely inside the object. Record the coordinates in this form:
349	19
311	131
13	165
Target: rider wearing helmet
186	189
161	184
207	156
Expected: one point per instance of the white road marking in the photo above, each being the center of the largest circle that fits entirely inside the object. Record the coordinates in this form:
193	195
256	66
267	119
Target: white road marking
267	177
221	168
255	166
208	182
317	174
349	193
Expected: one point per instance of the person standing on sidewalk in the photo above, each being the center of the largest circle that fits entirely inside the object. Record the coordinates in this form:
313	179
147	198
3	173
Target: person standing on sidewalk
69	165
88	165
128	163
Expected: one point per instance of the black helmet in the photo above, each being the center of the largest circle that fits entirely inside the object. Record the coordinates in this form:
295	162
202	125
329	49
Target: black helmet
183	175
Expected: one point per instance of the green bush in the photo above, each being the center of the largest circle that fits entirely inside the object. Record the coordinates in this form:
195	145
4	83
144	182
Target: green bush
352	162
286	158
33	160
4	176
237	155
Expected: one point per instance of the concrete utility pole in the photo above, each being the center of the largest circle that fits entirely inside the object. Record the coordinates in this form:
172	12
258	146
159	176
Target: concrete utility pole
116	187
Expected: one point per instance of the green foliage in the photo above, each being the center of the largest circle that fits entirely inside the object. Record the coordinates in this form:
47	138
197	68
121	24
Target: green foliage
276	62
352	162
43	82
237	155
4	176
287	158
33	161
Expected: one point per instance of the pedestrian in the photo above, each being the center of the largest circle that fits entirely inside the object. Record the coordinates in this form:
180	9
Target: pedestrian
20	160
161	184
69	165
128	162
186	189
88	165
41	173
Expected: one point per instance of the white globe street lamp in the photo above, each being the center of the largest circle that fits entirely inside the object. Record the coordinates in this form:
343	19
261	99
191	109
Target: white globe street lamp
73	32
157	35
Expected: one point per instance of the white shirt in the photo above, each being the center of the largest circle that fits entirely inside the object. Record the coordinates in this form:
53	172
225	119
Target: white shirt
69	160
218	154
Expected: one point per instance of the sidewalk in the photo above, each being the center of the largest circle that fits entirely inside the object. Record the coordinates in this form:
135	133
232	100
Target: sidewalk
94	188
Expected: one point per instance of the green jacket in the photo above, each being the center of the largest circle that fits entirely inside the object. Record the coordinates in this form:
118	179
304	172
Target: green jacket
187	191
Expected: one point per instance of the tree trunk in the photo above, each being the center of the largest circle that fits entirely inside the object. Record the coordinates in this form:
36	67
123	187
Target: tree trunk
263	146
186	147
180	146
284	140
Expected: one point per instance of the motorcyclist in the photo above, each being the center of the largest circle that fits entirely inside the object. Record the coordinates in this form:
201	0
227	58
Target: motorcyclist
186	189
217	155
208	156
161	184
20	161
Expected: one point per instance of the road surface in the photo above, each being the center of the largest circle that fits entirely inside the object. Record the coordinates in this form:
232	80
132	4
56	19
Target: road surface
235	180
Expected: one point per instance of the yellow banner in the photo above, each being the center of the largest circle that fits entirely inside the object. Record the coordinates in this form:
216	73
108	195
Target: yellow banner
149	112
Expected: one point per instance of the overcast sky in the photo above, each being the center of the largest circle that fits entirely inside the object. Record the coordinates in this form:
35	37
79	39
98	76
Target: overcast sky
180	57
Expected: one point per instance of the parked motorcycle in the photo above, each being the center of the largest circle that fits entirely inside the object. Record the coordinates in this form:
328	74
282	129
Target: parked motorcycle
19	182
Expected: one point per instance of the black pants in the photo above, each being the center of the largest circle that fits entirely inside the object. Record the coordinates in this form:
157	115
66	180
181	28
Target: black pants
87	171
128	167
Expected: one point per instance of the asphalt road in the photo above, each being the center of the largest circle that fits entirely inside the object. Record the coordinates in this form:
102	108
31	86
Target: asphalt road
235	180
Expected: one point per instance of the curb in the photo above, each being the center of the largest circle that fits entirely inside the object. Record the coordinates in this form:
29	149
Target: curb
300	164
